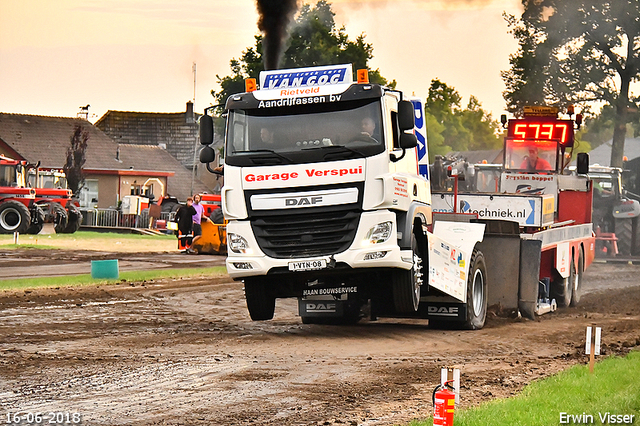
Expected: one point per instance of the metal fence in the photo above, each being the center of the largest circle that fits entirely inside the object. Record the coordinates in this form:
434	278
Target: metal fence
114	218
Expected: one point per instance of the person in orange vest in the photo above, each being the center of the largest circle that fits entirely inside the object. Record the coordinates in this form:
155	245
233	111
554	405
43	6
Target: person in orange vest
533	162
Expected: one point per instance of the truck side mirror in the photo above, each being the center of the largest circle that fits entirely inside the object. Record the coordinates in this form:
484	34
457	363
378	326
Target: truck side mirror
583	163
207	155
206	130
408	140
406	115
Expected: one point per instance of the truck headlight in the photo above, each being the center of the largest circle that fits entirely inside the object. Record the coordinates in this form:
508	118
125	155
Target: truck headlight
238	244
379	233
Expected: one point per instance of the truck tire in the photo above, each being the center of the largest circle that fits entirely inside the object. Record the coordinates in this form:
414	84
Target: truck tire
14	217
577	281
260	302
60	218
624	233
476	292
406	283
562	288
37	222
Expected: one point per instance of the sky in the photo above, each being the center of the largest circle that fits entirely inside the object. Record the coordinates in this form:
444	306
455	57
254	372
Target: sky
138	55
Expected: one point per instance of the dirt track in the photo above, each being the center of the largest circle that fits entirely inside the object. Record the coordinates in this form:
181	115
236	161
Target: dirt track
185	352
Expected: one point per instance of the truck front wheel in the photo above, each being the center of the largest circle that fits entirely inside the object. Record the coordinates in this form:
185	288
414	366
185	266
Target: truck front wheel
406	284
476	292
260	301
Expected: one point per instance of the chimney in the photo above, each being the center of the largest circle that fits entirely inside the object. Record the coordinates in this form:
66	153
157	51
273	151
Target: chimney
188	116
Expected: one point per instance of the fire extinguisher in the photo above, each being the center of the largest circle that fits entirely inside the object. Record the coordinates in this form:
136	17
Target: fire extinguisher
443	404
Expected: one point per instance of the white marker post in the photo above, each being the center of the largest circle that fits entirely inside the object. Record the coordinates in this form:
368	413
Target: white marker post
451	373
592	348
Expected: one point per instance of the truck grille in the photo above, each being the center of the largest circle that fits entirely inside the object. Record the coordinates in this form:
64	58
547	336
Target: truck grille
306	234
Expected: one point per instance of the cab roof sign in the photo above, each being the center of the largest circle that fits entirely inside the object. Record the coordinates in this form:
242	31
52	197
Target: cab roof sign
301	82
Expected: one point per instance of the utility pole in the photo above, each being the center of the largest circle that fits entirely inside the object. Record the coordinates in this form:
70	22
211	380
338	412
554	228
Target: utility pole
193	68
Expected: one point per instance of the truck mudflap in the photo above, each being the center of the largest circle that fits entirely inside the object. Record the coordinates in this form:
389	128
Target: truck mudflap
330	308
443	311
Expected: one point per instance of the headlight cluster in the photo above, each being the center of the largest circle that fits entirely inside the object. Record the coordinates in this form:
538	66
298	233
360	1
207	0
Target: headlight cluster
238	244
379	233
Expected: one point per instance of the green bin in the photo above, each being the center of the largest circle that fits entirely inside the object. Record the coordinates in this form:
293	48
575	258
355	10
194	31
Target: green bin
104	269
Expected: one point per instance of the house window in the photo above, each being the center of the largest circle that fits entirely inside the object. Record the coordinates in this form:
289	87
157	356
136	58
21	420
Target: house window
89	194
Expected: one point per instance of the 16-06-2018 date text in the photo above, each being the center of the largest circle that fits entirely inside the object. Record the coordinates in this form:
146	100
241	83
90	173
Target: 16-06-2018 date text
43	418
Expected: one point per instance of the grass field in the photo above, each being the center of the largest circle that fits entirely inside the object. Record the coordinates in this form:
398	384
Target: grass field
612	390
94	241
131	276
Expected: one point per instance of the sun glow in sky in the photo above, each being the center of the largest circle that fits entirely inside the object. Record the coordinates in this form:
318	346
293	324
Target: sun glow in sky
137	55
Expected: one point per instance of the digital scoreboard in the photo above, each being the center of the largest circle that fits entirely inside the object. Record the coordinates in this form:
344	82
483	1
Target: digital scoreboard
541	128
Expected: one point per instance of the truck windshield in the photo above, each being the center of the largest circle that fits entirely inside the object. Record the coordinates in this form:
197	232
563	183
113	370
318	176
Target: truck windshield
536	156
305	133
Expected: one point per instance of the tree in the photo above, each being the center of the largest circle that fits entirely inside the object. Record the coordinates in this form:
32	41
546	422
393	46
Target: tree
582	51
76	157
314	40
451	128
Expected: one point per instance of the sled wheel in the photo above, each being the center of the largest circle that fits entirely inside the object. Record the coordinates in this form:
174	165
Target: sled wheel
577	281
476	292
562	288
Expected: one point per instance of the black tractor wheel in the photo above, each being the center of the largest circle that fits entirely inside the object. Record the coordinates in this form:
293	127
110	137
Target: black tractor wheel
635	250
217	216
59	216
74	219
14	217
37	220
624	234
406	283
260	301
577	280
476	292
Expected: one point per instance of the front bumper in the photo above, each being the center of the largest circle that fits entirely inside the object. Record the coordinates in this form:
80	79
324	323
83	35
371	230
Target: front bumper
361	254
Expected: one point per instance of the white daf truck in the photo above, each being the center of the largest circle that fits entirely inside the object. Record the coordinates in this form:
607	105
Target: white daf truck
327	194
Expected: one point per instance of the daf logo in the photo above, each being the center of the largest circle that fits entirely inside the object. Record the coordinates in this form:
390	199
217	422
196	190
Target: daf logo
443	310
321	307
303	201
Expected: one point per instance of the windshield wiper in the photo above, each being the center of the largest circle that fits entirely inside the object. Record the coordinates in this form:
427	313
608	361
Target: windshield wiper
261	158
335	148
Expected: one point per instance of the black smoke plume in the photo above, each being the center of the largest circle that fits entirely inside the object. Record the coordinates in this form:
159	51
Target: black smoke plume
275	17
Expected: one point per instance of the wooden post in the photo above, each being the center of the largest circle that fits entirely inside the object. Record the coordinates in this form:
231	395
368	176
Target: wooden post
592	347
592	356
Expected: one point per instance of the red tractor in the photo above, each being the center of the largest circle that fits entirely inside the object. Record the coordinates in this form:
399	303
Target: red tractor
46	205
18	210
55	200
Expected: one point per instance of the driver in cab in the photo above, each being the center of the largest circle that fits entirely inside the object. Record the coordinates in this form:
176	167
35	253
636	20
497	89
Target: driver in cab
533	162
368	128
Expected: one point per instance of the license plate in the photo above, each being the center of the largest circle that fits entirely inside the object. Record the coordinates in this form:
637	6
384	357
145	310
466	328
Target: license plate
308	265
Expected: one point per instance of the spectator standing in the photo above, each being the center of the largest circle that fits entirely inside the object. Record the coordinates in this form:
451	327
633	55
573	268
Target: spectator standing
184	217
197	218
